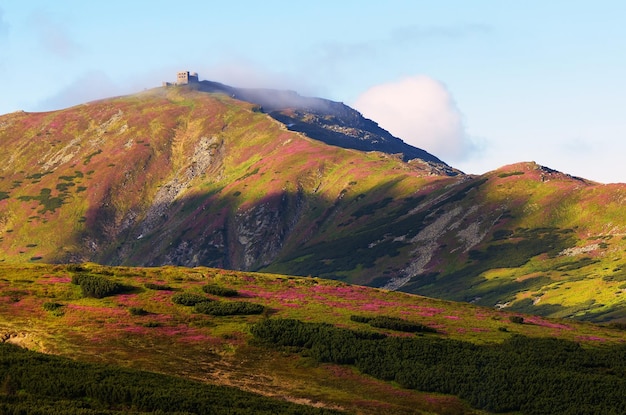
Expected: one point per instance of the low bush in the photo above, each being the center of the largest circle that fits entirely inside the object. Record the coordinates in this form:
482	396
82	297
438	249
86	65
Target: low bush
219	290
218	308
51	306
189	299
137	311
393	323
398	324
96	286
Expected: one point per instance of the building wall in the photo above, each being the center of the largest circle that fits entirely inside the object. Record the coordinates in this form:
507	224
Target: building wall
182	78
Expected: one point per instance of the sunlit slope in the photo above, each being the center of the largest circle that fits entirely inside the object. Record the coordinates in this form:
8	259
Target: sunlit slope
534	240
173	176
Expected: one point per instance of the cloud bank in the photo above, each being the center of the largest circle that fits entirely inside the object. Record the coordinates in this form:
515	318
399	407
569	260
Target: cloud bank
422	112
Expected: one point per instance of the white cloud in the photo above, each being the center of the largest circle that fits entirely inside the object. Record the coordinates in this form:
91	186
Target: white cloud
420	111
246	74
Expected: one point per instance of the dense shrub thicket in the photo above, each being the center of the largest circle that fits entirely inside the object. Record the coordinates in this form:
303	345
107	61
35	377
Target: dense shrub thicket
219	290
97	286
189	299
528	375
393	323
221	308
34	383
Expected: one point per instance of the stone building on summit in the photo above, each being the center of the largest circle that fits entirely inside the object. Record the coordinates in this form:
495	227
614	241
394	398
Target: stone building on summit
184	78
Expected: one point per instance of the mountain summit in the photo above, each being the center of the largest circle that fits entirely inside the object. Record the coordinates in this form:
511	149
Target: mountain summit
206	174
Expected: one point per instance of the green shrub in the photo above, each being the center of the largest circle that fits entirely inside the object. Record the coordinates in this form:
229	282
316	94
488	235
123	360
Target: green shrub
219	290
51	306
393	323
398	324
189	299
55	309
96	286
216	308
137	311
76	268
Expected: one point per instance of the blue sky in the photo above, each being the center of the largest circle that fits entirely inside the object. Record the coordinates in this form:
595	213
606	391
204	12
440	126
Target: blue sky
478	83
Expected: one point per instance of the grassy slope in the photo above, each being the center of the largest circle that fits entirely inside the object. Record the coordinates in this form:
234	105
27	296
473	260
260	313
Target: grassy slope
172	339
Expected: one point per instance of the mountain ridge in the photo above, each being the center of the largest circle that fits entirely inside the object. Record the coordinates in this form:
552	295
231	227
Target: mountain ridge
335	123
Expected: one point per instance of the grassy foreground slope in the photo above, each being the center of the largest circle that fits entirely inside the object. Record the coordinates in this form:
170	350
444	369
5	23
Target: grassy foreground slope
143	318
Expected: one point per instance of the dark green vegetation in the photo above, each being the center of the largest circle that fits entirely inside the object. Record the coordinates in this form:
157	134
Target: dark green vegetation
393	323
97	286
234	308
219	290
34	383
189	299
529	375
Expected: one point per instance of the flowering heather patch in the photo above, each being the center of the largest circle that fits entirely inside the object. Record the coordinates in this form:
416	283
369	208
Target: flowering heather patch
545	323
425	311
163	297
139	330
128	300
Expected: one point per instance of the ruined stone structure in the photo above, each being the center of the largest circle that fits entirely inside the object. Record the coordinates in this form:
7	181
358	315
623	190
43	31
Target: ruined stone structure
184	78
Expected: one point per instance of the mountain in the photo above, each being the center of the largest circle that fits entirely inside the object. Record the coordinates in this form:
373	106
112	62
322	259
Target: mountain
264	180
